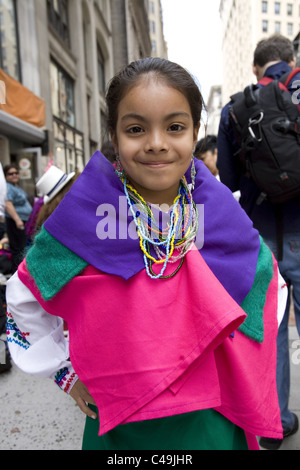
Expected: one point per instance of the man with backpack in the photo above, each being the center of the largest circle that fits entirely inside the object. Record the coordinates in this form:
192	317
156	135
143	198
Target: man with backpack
259	154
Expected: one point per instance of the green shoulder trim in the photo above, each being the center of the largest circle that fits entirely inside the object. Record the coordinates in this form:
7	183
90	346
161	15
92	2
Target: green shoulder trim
51	264
255	301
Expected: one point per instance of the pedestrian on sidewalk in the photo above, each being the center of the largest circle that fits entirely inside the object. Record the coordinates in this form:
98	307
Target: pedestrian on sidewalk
277	223
18	210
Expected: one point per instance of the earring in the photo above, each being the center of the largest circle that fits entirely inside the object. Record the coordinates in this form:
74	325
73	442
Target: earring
193	174
118	168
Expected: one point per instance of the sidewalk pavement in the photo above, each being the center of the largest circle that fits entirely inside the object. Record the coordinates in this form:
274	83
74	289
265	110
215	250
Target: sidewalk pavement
37	415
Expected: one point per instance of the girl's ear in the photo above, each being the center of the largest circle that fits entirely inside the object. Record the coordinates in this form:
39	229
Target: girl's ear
196	132
114	142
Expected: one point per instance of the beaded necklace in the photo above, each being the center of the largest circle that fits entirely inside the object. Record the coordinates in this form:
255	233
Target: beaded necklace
179	234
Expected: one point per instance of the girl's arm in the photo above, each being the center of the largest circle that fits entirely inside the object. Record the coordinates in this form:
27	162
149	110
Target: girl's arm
36	339
37	343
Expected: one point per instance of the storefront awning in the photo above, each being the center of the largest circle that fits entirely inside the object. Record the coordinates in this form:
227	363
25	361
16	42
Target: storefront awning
20	102
11	126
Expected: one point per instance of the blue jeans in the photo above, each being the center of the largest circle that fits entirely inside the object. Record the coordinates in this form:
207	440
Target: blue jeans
289	268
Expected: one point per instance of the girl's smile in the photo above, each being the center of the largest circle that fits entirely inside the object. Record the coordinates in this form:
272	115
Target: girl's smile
155	138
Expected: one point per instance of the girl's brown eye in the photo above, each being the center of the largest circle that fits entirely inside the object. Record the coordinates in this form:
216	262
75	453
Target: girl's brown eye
176	127
135	130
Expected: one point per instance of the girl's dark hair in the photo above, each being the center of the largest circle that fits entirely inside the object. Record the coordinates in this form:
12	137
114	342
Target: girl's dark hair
173	74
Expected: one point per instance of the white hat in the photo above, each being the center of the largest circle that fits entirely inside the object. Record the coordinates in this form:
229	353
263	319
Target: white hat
52	182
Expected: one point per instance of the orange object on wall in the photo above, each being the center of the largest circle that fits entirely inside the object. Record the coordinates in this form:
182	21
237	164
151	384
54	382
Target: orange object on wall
21	102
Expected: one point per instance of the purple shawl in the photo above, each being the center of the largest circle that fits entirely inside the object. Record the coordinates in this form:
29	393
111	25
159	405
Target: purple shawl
230	248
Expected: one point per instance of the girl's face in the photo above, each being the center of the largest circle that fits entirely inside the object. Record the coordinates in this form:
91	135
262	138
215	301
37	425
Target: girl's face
155	139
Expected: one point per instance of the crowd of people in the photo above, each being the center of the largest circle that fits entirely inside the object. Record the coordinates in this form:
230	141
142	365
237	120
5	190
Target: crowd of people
173	317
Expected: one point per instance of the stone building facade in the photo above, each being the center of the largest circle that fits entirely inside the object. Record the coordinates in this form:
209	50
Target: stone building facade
59	56
244	23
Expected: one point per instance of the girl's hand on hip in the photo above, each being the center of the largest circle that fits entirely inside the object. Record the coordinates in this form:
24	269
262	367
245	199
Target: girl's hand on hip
81	395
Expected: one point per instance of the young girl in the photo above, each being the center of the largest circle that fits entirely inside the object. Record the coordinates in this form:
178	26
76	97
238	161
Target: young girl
172	311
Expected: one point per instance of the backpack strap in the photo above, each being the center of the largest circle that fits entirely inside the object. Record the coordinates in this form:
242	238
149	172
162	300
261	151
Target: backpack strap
285	79
288	76
265	81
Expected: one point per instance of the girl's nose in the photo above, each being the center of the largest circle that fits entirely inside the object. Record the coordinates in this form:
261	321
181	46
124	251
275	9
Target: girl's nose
156	143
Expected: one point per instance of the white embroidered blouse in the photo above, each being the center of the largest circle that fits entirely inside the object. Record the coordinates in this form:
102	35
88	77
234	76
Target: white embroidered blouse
36	339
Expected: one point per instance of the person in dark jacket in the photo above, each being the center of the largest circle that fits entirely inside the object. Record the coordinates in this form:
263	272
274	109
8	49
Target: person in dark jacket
273	57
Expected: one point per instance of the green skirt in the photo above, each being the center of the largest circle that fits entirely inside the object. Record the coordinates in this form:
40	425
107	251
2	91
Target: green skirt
198	430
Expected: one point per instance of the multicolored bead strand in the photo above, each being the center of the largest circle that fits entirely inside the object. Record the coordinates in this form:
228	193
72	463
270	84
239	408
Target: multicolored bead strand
183	224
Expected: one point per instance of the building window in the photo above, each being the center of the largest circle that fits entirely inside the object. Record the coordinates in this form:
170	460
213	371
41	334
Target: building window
9	47
68	143
62	94
277	8
59	19
264	7
152	8
265	26
290	29
289	9
152	27
277	27
101	70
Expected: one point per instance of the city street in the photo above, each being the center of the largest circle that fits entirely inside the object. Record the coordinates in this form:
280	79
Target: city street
36	415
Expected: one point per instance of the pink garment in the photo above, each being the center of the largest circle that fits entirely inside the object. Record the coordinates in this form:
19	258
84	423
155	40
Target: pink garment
147	348
248	376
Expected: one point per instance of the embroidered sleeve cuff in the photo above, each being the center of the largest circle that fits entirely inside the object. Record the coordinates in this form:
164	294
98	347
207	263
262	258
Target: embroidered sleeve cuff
65	378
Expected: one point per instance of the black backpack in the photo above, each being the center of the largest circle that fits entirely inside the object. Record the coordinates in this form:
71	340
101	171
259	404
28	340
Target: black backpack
266	121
